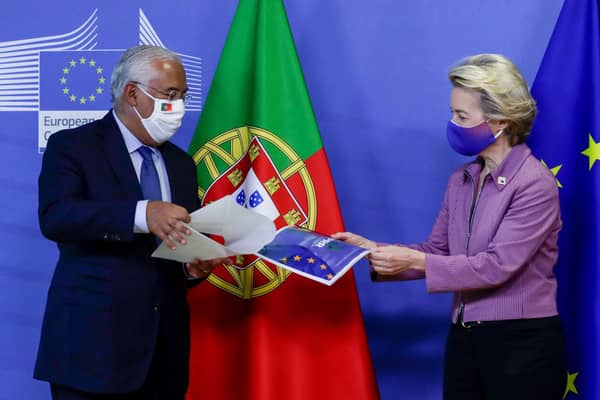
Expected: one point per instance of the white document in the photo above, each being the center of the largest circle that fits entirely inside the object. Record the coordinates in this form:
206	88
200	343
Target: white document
244	232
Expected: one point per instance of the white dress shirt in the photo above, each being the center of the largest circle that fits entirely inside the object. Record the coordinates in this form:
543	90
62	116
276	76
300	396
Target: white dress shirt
133	144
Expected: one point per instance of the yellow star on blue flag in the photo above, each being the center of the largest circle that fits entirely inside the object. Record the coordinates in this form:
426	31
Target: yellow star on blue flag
571	384
554	171
592	151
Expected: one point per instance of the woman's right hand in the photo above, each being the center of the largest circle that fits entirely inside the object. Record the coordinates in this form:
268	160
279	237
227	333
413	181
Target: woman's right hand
355	240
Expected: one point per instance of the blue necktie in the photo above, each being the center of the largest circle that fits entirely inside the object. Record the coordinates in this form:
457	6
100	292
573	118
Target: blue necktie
149	181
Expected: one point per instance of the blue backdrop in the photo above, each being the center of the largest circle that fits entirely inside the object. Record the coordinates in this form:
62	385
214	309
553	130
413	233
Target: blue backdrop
376	73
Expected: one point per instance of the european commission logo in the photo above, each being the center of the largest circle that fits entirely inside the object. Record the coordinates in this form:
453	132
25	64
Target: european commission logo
74	89
66	79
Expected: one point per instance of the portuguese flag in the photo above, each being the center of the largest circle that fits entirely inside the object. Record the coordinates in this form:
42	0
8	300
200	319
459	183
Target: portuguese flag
258	331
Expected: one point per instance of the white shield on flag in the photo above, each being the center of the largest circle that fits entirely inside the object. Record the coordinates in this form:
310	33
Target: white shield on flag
253	195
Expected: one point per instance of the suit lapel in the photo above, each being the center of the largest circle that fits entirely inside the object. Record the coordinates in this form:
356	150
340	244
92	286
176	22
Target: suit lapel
118	157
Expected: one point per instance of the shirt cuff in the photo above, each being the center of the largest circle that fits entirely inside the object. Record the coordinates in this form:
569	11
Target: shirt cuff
140	225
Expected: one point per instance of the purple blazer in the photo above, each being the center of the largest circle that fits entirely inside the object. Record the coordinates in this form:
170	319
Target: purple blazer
498	254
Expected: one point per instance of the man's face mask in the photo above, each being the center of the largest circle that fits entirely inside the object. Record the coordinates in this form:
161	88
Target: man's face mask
165	118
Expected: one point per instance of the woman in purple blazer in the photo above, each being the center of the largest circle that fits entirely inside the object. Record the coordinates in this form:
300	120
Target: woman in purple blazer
494	244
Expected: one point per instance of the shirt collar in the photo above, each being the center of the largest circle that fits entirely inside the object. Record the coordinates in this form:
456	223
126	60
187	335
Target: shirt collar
510	165
131	142
506	170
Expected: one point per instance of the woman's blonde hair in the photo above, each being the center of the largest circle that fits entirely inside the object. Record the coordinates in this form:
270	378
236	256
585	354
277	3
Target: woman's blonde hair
503	92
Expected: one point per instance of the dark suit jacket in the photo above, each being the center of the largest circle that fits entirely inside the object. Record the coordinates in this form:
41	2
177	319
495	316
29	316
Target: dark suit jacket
108	296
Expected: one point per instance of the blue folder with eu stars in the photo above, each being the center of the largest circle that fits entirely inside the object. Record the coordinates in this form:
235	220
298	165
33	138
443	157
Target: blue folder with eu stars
310	254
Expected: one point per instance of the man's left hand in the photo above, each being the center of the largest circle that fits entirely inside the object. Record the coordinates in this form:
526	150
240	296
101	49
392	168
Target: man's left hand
202	269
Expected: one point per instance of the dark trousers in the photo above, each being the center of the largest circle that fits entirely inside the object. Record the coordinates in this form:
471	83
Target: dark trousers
160	384
517	359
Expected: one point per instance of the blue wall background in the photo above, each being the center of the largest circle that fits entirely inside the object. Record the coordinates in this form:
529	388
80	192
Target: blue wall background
376	72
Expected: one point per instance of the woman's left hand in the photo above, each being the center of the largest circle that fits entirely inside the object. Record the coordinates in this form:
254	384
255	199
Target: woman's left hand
391	260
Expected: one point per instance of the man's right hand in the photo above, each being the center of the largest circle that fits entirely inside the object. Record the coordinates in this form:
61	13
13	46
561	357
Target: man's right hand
166	220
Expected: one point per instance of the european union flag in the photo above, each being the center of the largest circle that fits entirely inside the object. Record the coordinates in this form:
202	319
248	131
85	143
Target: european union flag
566	137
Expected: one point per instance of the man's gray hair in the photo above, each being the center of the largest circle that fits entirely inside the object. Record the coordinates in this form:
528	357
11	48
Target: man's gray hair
136	65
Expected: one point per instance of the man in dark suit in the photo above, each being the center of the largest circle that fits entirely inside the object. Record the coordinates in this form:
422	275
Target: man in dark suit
116	324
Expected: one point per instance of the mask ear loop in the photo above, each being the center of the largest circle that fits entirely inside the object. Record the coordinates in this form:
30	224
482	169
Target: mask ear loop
500	131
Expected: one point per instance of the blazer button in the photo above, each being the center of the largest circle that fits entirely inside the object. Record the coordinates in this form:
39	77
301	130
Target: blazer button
156	307
106	236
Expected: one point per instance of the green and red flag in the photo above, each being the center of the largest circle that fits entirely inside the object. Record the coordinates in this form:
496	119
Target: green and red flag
259	331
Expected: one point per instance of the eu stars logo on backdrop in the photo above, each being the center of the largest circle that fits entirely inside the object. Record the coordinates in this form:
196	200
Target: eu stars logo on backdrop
66	78
74	89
